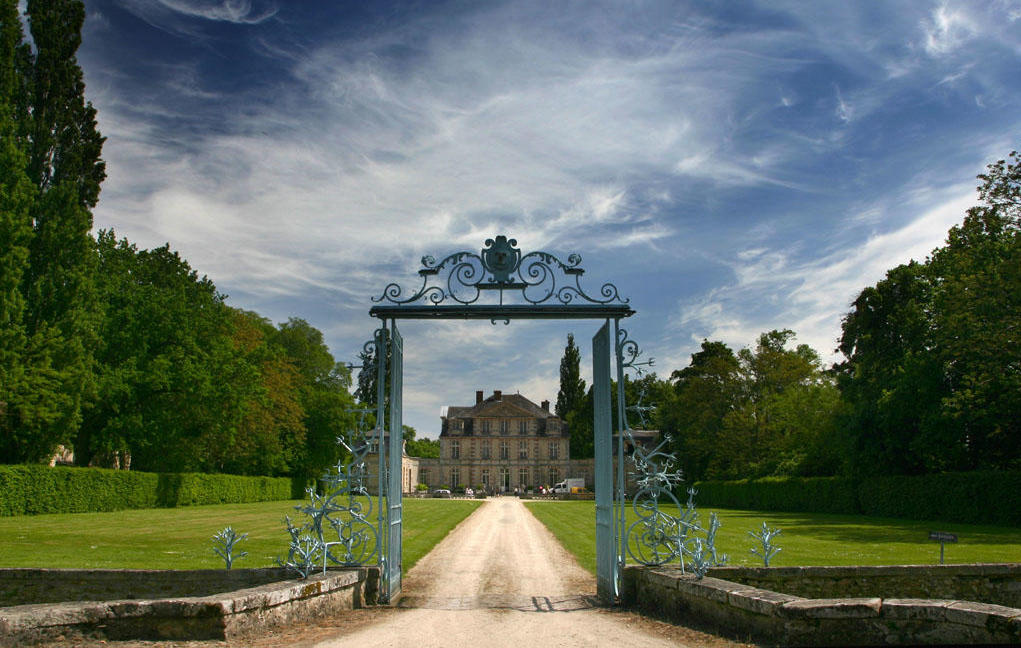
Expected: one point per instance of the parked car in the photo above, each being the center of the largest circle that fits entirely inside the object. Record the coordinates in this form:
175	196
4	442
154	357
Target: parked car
441	492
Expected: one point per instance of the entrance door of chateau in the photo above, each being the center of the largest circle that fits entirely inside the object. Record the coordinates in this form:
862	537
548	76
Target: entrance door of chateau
500	284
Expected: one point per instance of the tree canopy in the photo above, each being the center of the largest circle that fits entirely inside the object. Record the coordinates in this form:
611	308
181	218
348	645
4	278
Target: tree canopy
933	369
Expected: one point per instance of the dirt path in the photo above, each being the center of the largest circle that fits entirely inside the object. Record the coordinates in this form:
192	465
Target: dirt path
501	579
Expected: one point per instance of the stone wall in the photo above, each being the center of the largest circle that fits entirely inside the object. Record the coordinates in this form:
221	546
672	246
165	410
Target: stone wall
22	586
223	615
781	618
987	583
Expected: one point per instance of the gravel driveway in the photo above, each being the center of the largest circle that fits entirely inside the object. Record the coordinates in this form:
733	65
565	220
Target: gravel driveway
501	579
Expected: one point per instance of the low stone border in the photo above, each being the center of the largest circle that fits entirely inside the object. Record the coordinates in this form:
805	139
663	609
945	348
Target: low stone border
222	615
998	583
775	617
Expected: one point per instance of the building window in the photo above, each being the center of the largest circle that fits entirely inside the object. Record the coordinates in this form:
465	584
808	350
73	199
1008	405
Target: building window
423	475
554	450
505	479
552	426
485	427
485	449
485	477
554	476
455	477
523	450
522	427
455	449
504	426
523	477
504	452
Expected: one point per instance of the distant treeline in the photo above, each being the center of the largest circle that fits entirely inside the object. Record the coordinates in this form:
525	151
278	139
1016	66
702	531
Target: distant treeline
930	381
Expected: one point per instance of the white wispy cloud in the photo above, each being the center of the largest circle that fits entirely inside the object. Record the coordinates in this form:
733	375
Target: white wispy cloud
810	295
751	168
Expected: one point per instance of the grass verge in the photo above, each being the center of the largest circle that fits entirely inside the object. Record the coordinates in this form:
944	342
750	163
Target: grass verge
181	538
807	538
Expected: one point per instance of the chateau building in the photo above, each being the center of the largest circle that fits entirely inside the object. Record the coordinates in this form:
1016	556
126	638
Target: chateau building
502	443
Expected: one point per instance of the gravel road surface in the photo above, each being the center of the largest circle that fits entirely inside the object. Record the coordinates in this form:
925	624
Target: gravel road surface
502	579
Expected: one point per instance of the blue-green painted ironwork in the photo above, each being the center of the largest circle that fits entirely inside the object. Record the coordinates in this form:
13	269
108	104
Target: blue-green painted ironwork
382	341
766	549
337	528
395	506
532	279
607	581
500	284
224	543
655	537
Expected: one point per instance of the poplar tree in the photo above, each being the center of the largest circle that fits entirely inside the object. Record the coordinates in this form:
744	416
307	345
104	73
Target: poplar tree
51	175
572	387
16	197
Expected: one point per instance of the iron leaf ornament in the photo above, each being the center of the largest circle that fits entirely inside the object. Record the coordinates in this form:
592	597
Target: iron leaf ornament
533	278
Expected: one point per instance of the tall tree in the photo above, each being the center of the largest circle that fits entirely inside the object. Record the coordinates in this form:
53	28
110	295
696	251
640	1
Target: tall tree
770	410
28	388
44	109
890	380
976	327
932	351
572	386
64	143
704	393
324	396
48	120
173	386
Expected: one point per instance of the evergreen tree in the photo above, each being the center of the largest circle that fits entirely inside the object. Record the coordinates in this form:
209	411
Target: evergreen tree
572	386
21	372
50	139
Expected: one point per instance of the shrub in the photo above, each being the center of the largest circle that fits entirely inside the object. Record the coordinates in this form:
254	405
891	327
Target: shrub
34	489
979	497
817	494
976	497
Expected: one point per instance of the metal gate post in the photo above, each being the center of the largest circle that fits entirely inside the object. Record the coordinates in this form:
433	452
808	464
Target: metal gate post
619	499
606	558
382	348
395	488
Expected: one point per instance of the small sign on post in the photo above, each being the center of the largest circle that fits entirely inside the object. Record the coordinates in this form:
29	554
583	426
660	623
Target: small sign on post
942	537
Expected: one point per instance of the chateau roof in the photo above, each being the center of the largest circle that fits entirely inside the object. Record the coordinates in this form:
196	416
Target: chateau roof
500	406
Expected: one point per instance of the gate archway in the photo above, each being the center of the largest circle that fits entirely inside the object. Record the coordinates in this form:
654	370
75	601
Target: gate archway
500	284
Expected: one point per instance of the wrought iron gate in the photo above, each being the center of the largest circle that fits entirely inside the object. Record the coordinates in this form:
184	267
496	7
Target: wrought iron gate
466	285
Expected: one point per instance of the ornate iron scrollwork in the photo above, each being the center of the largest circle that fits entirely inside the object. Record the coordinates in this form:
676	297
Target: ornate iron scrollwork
535	278
344	509
657	537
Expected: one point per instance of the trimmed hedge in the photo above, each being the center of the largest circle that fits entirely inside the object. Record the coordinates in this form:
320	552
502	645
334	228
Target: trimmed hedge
973	497
788	494
979	497
34	489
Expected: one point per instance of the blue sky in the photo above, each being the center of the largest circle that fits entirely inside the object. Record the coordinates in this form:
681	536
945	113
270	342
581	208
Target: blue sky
732	167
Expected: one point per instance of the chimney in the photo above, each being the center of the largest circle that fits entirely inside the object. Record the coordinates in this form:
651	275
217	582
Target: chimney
545	405
478	397
497	394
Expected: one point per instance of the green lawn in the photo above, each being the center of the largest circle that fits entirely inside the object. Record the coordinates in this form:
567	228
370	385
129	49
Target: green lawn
180	538
807	538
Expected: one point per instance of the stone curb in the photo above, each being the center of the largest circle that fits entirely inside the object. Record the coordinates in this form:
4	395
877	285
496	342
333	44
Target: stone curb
212	617
788	619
